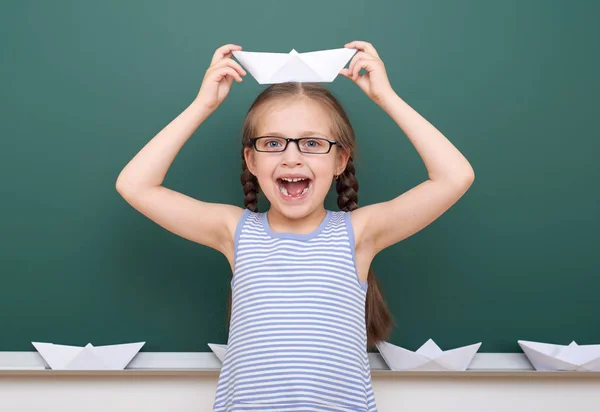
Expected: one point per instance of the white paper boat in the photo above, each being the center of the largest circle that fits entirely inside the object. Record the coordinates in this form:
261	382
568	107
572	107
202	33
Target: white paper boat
316	66
110	357
572	357
218	350
429	357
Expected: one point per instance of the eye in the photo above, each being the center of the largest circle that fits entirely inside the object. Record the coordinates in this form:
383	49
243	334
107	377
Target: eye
312	143
273	143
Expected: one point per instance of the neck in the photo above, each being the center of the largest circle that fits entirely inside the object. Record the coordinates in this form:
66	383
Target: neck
302	225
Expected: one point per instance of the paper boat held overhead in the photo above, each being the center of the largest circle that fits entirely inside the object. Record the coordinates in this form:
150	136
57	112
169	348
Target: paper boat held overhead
429	357
219	350
572	357
316	66
110	357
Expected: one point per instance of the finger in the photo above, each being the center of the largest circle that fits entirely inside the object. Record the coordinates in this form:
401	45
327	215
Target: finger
364	63
361	82
363	46
223	51
345	72
227	71
231	63
356	57
367	64
348	74
229	80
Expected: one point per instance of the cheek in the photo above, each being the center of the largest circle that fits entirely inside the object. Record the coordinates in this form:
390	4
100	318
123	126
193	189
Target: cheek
323	172
265	167
324	169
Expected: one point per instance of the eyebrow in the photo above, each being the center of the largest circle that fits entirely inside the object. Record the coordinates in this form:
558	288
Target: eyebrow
303	134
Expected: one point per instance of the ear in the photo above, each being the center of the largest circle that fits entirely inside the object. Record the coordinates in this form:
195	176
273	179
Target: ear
341	161
250	160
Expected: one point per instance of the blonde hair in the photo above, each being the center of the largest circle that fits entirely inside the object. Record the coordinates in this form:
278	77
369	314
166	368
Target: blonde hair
377	316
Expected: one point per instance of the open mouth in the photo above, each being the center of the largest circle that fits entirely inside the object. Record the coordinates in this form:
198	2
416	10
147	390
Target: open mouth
294	187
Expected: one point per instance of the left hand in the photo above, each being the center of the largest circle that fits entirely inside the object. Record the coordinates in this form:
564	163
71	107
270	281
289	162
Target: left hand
375	82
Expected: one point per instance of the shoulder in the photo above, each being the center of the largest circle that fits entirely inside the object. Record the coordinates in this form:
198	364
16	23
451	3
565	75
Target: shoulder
246	215
247	220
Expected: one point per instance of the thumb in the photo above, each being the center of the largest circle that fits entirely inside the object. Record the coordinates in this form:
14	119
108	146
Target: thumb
360	82
346	73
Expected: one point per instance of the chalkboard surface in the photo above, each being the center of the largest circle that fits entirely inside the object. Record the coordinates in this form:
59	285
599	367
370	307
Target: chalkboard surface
513	84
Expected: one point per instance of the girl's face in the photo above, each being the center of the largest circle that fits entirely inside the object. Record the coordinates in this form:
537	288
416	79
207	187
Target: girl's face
296	183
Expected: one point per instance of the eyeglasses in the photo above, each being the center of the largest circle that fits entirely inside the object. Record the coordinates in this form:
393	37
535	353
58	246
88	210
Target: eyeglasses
276	144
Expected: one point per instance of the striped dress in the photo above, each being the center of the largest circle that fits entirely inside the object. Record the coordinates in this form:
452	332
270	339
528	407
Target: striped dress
297	337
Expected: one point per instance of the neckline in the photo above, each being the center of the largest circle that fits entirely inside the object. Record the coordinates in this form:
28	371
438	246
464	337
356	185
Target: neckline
297	236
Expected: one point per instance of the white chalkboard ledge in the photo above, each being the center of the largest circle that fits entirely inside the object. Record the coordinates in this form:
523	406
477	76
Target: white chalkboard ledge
206	363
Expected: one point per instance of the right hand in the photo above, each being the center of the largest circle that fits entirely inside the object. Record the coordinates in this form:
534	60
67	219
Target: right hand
219	76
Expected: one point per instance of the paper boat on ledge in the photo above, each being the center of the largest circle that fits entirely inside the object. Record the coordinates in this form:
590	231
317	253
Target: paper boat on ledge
110	357
218	350
429	357
573	357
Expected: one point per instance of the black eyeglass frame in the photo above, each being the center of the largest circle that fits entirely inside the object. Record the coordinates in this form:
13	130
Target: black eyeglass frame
292	139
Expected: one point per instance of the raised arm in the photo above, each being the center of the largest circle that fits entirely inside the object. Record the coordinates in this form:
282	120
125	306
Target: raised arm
140	182
383	224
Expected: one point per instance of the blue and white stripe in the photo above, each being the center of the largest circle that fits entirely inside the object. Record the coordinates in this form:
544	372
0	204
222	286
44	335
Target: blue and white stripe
297	337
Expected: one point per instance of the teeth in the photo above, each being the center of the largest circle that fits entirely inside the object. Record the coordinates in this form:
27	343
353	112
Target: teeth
293	179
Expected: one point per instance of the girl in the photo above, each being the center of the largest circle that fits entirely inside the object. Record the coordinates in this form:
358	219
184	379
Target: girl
305	306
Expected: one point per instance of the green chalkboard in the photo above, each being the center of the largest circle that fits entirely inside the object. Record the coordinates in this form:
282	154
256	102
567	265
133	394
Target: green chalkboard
513	84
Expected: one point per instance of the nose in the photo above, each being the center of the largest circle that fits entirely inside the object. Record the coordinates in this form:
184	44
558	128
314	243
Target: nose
291	156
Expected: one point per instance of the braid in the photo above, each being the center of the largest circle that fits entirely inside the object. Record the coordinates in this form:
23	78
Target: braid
347	188
250	185
378	318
